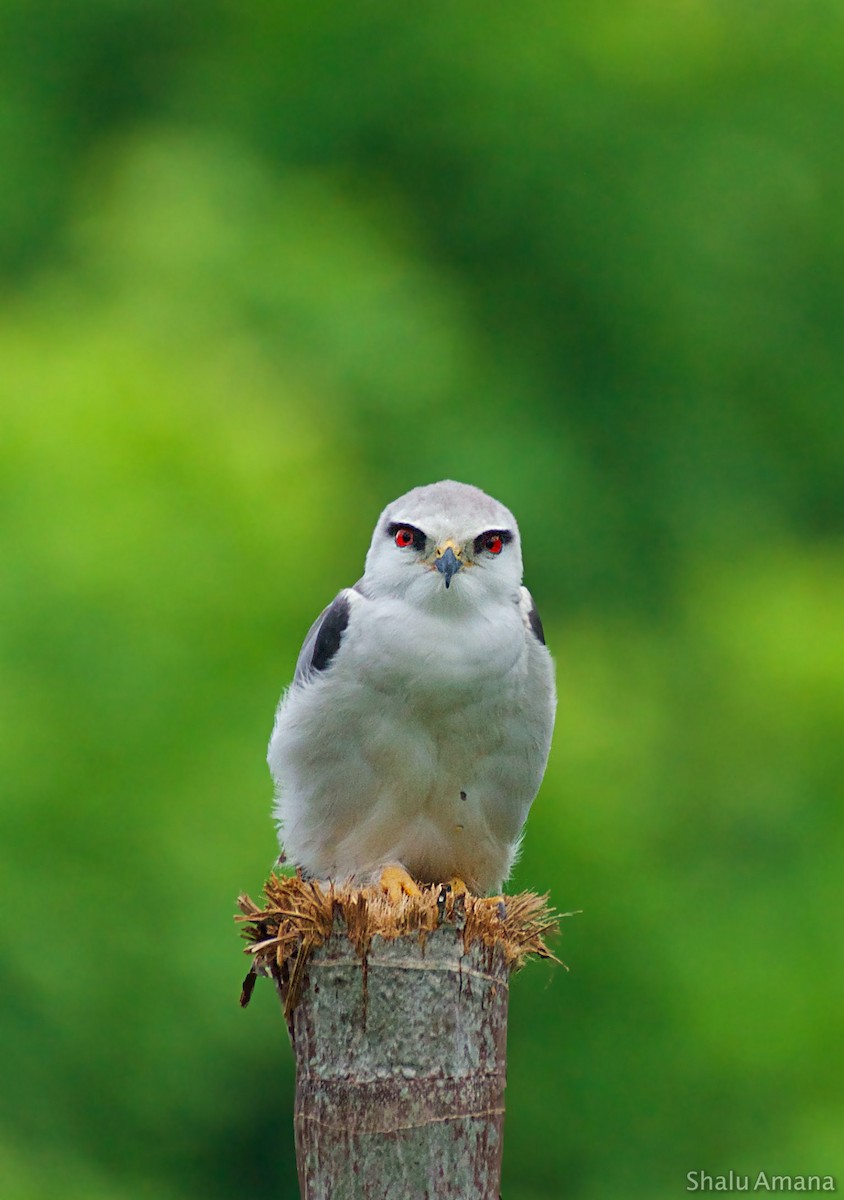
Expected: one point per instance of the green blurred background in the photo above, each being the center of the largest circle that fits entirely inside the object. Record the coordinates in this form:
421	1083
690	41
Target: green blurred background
265	267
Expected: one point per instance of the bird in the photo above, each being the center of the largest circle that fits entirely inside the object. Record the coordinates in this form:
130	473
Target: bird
414	737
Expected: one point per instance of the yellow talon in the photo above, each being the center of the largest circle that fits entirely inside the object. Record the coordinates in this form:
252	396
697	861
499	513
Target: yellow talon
458	887
396	882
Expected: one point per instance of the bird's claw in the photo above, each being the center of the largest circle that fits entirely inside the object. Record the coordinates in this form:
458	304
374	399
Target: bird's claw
396	882
457	886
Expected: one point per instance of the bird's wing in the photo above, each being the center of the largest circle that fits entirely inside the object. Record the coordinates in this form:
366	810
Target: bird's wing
325	635
530	614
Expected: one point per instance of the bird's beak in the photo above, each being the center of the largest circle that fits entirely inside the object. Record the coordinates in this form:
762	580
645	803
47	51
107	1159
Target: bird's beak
448	560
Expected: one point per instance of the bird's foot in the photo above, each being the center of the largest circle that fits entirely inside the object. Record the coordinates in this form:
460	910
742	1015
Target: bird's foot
457	886
396	882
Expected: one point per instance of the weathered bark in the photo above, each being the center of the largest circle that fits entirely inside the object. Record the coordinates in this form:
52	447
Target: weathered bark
398	1021
400	1069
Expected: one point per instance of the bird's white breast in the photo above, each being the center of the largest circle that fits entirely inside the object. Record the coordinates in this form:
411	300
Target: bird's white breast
423	743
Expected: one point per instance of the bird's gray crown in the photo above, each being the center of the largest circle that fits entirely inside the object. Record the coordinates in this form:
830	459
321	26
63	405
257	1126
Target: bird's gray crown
450	507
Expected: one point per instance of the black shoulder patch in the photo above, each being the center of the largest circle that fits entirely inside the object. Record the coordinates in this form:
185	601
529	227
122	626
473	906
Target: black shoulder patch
330	633
536	623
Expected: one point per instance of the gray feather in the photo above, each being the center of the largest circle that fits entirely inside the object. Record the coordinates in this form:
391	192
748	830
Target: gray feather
324	637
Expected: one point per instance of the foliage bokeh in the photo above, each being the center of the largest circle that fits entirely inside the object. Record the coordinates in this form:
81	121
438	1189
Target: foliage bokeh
263	269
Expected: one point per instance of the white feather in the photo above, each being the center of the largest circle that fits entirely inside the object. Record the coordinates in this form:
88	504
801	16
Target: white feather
425	739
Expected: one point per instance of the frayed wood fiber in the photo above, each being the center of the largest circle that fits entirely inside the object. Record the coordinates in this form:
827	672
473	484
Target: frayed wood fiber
299	915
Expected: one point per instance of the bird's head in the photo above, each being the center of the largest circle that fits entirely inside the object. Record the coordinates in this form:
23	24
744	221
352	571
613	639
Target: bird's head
445	544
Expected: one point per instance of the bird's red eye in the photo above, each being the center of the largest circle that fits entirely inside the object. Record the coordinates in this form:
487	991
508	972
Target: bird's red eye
494	544
404	538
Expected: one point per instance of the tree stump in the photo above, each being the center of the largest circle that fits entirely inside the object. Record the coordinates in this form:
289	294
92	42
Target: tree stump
397	1015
